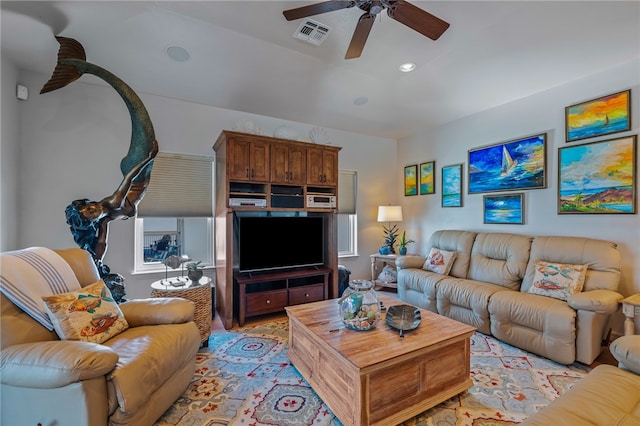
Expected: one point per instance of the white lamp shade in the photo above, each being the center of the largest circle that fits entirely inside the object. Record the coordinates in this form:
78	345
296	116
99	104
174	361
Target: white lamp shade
389	213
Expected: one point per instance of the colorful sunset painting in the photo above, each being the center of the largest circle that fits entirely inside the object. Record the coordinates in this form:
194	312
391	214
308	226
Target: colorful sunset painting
504	209
452	186
507	166
411	180
598	177
597	117
427	178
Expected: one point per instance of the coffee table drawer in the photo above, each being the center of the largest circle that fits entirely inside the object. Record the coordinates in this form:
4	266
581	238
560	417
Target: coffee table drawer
266	302
306	294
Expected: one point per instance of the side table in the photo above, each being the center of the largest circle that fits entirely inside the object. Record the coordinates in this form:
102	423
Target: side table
200	294
629	306
378	261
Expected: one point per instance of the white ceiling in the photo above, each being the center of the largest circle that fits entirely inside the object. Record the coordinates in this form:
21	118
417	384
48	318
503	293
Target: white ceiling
243	55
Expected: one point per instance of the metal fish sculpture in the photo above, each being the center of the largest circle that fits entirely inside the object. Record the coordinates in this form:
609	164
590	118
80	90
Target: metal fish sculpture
89	220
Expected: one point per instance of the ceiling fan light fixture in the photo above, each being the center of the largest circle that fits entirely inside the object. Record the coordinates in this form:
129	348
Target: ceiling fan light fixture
407	67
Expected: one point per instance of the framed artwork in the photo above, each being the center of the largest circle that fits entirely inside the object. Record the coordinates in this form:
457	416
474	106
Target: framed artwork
411	180
452	186
598	177
507	166
427	178
504	209
600	116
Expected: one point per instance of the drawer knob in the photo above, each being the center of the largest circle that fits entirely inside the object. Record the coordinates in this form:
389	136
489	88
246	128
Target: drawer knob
268	301
306	295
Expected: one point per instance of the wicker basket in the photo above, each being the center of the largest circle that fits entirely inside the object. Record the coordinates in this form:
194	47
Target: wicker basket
201	296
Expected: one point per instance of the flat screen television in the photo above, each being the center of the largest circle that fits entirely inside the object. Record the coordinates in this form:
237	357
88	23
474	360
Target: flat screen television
277	242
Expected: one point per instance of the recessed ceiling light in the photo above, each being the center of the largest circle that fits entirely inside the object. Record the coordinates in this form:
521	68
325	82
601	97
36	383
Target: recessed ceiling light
361	100
408	67
177	53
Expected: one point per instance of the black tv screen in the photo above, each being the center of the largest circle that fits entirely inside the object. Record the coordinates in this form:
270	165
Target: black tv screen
274	242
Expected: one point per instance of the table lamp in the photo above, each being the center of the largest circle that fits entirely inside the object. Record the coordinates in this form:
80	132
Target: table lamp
390	214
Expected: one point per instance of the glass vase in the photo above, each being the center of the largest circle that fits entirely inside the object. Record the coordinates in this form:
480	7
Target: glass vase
360	306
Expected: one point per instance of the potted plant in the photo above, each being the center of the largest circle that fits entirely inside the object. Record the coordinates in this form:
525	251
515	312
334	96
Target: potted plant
403	242
194	271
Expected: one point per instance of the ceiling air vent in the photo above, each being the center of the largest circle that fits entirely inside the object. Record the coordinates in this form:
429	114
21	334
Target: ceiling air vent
312	32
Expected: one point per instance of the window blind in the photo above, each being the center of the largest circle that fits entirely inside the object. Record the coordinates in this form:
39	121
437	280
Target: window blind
347	184
180	186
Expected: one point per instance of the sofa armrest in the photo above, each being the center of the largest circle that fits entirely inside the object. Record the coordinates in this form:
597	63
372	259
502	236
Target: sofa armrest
53	364
626	350
600	301
159	310
409	261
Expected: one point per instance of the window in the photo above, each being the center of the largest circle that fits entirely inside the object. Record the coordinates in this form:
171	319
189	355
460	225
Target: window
347	216
175	216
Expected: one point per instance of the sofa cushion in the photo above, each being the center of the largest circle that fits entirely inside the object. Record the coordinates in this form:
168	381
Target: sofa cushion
149	356
500	259
459	241
626	350
606	396
602	258
439	261
27	275
539	324
557	280
89	314
467	301
418	287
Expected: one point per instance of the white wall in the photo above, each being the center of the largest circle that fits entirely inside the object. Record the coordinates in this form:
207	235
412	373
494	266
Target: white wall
9	148
544	112
72	141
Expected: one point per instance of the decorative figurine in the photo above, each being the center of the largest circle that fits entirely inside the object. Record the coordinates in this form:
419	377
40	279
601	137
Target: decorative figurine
89	220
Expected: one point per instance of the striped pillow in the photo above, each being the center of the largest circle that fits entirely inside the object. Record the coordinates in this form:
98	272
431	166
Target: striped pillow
29	274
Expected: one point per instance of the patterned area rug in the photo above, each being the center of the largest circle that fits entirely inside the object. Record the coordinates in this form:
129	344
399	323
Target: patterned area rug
244	378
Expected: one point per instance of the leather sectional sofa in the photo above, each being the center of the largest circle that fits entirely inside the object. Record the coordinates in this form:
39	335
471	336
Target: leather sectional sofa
488	287
607	396
130	379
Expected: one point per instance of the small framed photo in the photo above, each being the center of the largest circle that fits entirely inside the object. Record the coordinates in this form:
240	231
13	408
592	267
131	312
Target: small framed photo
600	116
452	186
598	177
411	180
504	209
427	178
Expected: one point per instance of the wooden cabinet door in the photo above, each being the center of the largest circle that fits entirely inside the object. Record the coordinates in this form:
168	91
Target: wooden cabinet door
322	166
248	160
259	161
288	164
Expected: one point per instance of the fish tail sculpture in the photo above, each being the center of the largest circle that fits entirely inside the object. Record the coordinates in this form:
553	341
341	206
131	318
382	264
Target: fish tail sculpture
89	220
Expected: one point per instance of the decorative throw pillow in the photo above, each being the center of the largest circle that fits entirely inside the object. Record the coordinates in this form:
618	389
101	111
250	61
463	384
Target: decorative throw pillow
439	261
388	275
89	314
557	280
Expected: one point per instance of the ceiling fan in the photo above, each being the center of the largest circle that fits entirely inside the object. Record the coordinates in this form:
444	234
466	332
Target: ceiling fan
402	11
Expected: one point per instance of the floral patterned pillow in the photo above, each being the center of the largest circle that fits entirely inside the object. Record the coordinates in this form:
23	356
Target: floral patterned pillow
439	261
89	314
558	280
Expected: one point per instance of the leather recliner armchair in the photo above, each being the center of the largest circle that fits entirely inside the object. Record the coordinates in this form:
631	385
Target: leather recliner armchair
130	379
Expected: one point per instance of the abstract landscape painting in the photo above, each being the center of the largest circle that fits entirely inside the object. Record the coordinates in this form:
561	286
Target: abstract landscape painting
506	209
512	165
597	117
598	177
452	186
427	178
411	180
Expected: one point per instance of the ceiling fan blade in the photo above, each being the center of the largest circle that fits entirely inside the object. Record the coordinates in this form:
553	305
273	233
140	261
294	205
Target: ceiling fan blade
360	35
417	19
316	9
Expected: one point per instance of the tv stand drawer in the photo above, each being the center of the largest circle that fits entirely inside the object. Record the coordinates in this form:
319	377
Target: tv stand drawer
265	302
306	294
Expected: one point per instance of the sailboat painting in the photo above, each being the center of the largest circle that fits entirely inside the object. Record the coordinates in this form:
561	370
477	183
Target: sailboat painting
597	117
508	166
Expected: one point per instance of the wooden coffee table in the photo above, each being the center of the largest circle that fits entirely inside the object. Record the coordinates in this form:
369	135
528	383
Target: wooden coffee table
376	377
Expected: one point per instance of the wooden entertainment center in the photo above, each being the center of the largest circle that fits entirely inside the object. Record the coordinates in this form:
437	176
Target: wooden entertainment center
276	176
